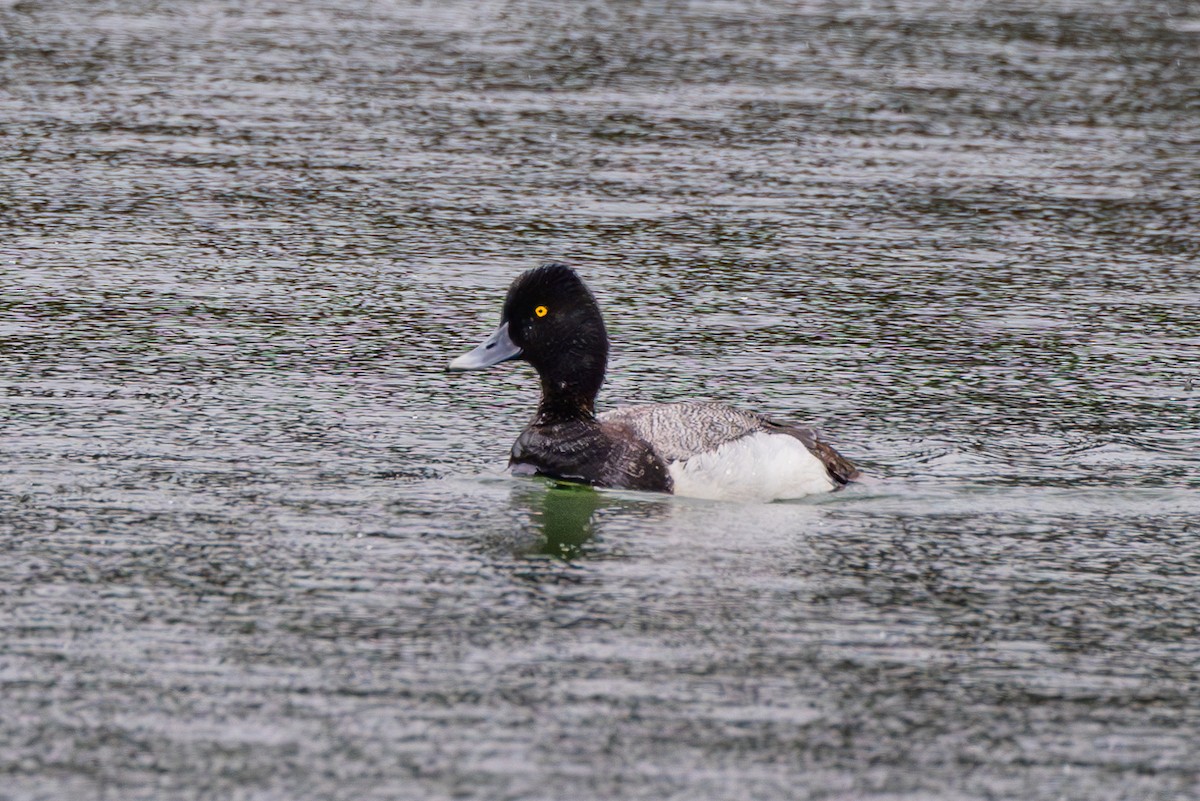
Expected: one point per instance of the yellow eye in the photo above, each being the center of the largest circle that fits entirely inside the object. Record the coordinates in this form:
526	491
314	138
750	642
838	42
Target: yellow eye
541	311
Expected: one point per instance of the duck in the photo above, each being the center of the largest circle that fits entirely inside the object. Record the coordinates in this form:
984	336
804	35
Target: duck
697	449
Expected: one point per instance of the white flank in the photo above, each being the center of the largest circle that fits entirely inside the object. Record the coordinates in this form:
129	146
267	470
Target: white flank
757	467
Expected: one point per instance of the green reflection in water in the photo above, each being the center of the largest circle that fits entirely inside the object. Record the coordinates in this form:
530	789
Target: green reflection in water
566	517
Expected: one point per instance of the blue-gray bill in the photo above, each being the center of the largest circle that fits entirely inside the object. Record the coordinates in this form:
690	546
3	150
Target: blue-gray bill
497	348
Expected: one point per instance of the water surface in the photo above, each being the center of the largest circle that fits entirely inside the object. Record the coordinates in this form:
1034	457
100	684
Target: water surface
257	544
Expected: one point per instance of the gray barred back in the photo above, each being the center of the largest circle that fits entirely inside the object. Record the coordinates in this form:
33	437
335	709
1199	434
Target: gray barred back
678	431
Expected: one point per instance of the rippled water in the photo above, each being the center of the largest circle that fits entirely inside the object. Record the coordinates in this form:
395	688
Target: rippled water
257	544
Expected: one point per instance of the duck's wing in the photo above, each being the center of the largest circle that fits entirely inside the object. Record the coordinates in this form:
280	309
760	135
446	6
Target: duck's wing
841	468
679	431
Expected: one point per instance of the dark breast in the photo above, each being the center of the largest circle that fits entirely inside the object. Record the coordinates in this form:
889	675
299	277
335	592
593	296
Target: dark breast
600	454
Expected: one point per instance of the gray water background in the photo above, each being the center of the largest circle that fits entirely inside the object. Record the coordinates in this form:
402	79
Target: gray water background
256	544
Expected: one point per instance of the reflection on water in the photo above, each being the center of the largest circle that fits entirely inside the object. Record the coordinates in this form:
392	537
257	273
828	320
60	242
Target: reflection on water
560	519
256	545
566	519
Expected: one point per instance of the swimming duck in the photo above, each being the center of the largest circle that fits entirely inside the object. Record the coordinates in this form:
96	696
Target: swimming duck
704	450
